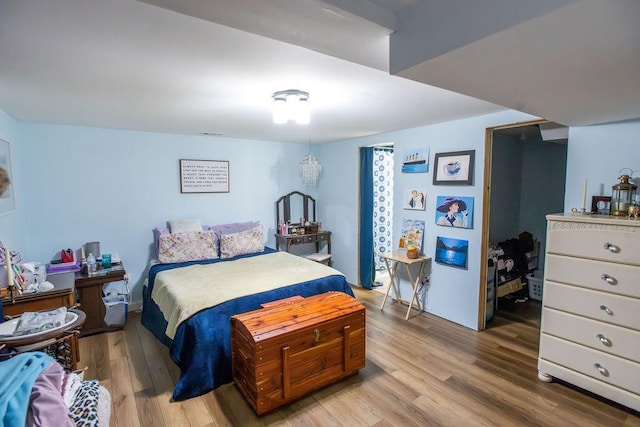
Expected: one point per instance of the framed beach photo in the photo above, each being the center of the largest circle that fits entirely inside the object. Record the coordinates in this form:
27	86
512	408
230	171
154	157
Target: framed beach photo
7	197
415	199
452	252
454	168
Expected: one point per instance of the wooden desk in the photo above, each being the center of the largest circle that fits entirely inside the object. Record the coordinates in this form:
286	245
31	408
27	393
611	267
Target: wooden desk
392	261
288	240
38	301
89	290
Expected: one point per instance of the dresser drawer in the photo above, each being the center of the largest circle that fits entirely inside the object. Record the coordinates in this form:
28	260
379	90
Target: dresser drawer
599	275
616	309
301	239
321	237
612	370
615	243
592	333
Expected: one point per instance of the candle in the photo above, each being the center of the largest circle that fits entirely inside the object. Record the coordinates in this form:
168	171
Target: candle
7	261
584	196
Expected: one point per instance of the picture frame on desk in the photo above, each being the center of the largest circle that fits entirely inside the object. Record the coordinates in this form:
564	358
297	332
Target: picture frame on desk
600	205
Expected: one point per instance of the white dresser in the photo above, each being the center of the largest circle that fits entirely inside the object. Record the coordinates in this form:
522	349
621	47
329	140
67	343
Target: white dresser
590	327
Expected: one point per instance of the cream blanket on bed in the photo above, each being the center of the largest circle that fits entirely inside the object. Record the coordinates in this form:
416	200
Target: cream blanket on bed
181	292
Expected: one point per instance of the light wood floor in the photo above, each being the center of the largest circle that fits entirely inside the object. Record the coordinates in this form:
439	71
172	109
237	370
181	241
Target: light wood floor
426	371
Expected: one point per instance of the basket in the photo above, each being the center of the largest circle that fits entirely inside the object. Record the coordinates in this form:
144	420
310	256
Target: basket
534	281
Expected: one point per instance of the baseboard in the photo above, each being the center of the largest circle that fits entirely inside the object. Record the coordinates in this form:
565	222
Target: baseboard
135	306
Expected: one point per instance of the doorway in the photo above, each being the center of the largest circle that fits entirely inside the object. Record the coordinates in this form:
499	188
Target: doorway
525	170
376	212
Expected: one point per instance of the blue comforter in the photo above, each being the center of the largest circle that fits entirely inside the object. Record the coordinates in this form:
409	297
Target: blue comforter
202	345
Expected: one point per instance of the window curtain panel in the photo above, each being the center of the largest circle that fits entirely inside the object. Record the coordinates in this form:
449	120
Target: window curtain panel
366	267
382	204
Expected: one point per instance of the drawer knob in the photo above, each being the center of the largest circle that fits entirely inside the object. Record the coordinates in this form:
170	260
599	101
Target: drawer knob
606	310
603	371
610	280
604	340
611	248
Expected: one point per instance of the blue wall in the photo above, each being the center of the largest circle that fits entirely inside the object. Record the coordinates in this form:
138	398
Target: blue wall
83	184
75	185
453	293
594	152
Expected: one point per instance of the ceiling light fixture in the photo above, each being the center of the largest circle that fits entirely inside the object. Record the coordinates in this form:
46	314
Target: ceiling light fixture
291	104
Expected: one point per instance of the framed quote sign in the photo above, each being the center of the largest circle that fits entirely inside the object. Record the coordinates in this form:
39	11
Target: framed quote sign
204	176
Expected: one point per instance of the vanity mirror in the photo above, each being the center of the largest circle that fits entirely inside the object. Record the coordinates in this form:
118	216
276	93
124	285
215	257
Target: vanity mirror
293	212
293	207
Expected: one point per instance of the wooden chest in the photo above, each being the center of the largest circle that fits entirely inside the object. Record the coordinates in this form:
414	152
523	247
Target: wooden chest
286	350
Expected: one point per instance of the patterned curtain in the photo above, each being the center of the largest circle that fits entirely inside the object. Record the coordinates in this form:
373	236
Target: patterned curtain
382	203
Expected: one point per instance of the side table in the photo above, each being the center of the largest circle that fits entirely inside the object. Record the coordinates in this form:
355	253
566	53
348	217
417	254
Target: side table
89	289
392	261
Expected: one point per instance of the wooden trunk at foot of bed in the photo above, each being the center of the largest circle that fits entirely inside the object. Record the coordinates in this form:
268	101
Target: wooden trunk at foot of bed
287	350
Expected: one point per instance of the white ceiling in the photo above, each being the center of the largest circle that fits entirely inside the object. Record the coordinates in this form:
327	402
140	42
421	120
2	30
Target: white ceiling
192	66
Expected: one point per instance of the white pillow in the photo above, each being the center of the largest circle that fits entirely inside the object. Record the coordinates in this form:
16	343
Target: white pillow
185	225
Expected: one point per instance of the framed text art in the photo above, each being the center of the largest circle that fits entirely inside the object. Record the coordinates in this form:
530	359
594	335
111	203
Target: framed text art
204	176
7	199
454	168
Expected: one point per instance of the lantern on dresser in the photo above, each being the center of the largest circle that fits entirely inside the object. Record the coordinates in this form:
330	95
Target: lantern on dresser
622	196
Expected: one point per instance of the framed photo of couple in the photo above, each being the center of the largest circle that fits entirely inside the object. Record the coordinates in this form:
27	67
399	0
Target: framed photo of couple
415	199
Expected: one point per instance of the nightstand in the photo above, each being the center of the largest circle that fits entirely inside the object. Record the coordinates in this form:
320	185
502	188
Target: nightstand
89	291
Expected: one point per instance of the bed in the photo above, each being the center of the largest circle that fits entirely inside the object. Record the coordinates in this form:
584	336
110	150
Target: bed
199	337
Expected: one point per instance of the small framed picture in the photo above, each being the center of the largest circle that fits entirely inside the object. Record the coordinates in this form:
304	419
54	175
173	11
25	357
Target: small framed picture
454	168
415	199
600	205
415	160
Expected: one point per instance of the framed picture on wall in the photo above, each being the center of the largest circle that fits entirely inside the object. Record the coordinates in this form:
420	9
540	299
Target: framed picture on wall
415	160
415	199
454	168
7	198
204	176
452	252
454	211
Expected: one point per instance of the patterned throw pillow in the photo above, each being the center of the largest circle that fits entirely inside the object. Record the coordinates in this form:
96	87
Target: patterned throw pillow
192	246
244	242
